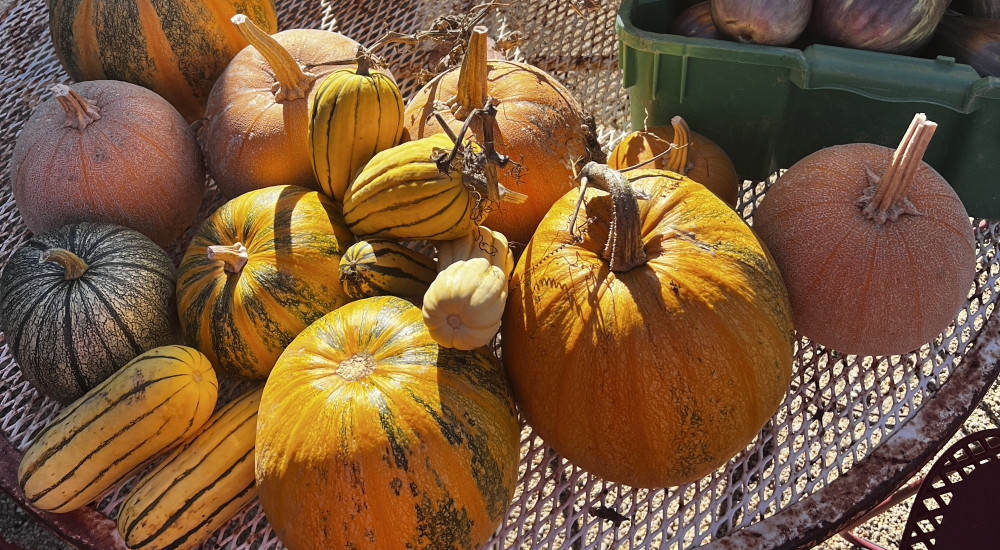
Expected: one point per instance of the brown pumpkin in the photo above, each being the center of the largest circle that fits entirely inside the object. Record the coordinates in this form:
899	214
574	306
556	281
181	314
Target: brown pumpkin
539	125
108	151
650	342
875	247
177	48
256	131
678	149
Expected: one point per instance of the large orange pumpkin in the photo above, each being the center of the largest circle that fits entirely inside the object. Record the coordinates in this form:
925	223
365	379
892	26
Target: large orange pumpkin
652	343
177	48
539	125
371	436
875	247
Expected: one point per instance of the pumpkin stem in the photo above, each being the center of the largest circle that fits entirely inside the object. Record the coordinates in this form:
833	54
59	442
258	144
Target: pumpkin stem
80	111
472	77
677	161
886	198
624	249
233	257
293	83
356	366
73	264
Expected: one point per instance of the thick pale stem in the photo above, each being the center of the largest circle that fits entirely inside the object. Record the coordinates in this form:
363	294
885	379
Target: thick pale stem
472	77
70	262
80	111
895	183
233	257
680	148
293	83
624	249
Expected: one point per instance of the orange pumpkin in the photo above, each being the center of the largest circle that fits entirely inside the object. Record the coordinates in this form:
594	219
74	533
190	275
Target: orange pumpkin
678	149
112	152
652	342
371	436
539	125
875	247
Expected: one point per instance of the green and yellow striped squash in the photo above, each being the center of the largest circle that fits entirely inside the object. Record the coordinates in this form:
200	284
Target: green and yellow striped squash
464	303
381	268
402	193
353	115
103	295
153	403
177	48
370	435
199	486
259	270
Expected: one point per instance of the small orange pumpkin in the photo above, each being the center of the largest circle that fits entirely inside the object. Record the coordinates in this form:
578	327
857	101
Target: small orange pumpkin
652	345
690	154
539	125
875	247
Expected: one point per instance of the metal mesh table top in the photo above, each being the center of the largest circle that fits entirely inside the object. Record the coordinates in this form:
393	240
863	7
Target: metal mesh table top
849	431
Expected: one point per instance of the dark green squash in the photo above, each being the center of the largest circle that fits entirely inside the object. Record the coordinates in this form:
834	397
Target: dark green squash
79	302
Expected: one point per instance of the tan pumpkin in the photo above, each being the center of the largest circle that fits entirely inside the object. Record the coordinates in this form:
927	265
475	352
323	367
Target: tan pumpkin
650	341
112	152
678	149
539	125
875	247
177	48
256	130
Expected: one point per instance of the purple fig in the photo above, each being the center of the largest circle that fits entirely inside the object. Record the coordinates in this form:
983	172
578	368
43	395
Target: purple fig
974	41
772	22
892	26
697	21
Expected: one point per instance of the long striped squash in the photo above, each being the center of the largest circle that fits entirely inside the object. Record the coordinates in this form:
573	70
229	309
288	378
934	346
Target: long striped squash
405	193
151	404
354	114
199	486
177	48
381	268
259	270
370	435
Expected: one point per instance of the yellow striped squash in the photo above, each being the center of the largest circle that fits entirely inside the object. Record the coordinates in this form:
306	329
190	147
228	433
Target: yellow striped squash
259	270
464	304
199	486
153	403
371	436
380	268
403	193
354	114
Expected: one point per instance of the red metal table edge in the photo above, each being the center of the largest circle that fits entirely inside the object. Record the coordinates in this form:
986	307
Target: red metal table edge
84	528
877	476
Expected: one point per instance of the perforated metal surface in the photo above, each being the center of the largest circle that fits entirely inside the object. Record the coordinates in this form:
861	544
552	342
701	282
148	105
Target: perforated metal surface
838	409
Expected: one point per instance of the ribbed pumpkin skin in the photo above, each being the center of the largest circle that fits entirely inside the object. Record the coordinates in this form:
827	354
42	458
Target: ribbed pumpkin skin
385	268
421	452
402	194
177	48
708	164
250	139
156	401
138	165
539	125
68	336
199	486
856	287
352	116
655	376
242	321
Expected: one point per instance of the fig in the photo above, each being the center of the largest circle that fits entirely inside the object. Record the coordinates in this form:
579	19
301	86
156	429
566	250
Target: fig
974	41
890	26
697	21
771	22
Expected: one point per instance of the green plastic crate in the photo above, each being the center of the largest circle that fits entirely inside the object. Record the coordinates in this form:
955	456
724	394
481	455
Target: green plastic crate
768	107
